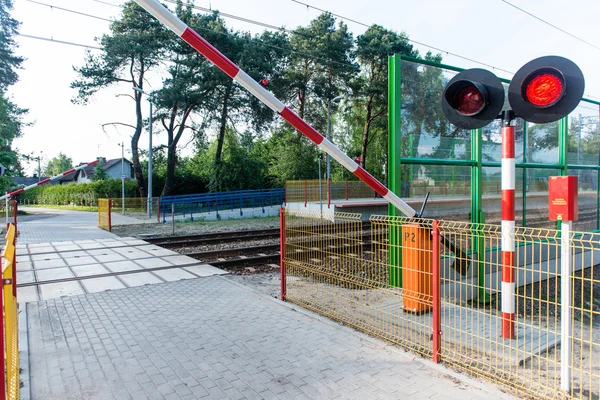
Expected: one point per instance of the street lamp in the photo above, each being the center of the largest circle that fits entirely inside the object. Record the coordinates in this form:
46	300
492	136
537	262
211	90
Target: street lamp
329	133
149	154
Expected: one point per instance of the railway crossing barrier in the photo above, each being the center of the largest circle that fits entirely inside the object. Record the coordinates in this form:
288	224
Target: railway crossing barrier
9	331
342	270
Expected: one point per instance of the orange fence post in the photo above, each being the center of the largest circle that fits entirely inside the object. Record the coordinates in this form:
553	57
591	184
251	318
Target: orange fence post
435	284
110	216
282	253
416	269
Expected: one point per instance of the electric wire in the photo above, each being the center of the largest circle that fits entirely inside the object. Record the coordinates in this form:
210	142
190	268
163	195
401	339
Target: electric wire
550	24
59	41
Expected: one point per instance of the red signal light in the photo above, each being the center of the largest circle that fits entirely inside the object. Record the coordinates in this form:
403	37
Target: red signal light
264	82
544	87
469	100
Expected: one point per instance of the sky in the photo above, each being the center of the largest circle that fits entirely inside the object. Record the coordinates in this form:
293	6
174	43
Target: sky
489	31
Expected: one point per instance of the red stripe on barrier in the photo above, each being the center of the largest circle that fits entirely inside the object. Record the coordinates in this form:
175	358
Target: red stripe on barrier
508	263
508	325
508	142
367	178
302	126
508	205
43	181
208	51
93	162
69	171
17	192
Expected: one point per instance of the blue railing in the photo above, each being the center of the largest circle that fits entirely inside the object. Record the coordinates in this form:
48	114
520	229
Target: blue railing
193	205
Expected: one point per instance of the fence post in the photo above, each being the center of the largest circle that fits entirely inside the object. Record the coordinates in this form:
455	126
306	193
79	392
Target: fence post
2	337
282	253
173	217
158	210
109	215
328	193
305	193
565	301
15	209
437	303
346	190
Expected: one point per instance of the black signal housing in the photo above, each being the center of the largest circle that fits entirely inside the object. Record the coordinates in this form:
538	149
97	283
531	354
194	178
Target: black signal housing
546	89
473	98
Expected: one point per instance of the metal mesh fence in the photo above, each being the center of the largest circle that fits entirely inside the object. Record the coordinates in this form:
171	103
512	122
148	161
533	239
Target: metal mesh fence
378	278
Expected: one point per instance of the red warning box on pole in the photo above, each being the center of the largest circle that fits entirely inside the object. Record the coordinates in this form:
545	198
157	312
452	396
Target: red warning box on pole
563	198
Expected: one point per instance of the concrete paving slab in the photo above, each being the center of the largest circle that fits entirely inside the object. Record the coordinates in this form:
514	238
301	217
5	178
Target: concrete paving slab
52	263
46	256
27	294
22	258
121	266
136	254
100	252
25	277
102	284
108	258
139	279
92	245
24	265
55	290
80	260
54	273
66	247
38	245
174	274
44	249
205	270
152	263
71	254
179	260
88	270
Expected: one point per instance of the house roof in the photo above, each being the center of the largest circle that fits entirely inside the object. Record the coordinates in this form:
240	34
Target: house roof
89	170
26	180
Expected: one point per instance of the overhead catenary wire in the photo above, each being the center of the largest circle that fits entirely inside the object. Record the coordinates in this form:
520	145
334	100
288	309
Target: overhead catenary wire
59	41
550	24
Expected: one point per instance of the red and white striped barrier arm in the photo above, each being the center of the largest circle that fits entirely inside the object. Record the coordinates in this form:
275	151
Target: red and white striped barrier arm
43	181
508	232
216	57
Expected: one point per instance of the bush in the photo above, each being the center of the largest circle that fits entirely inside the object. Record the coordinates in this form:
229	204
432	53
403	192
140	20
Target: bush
84	194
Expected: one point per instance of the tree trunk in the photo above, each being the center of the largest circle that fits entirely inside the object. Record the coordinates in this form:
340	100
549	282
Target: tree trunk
223	125
135	155
170	175
365	142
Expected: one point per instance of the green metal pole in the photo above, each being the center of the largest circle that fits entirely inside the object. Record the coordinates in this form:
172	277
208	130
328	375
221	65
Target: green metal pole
394	166
563	148
477	214
524	189
453	157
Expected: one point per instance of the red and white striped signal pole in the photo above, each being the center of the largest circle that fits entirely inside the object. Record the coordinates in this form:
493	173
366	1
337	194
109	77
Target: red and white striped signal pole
233	71
508	226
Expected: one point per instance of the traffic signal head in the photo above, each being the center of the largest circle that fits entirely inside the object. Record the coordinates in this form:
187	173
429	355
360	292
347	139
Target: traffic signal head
546	89
264	82
473	98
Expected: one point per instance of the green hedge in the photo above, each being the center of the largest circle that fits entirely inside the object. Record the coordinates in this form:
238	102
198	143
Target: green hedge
85	194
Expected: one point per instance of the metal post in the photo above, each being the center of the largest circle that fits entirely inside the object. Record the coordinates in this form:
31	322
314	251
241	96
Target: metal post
328	136
508	226
320	187
150	165
282	254
173	217
7	203
122	178
39	169
565	295
435	285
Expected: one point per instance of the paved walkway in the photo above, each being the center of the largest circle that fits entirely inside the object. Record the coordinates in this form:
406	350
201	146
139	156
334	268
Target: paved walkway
199	338
211	338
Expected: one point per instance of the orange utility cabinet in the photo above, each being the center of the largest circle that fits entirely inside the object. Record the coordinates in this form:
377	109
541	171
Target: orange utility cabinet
562	198
416	268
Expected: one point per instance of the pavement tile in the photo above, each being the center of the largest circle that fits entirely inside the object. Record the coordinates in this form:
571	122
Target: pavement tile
80	260
54	290
49	263
54	273
173	274
120	266
139	279
92	269
101	284
152	263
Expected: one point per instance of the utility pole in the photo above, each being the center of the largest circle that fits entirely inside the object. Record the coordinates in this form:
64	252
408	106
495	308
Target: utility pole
122	178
